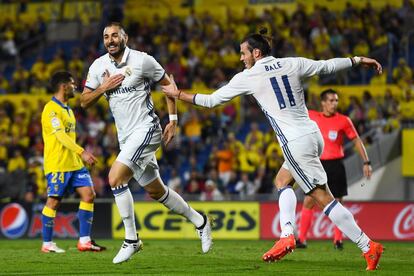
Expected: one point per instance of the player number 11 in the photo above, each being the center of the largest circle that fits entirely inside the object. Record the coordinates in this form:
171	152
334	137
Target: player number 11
278	92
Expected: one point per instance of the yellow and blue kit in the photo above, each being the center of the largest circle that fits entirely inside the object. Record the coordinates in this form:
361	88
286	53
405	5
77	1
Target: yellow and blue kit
63	165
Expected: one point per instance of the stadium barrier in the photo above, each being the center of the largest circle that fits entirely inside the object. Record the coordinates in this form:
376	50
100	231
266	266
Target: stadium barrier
379	220
234	220
24	220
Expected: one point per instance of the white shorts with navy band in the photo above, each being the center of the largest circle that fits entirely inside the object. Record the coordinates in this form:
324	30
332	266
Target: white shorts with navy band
138	153
302	160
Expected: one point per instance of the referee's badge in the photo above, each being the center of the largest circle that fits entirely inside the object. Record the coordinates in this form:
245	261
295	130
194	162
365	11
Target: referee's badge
332	135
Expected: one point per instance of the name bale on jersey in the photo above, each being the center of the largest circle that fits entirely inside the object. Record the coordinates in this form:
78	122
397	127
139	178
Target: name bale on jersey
272	67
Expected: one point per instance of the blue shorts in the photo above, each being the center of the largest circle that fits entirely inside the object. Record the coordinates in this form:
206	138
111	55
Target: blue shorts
58	183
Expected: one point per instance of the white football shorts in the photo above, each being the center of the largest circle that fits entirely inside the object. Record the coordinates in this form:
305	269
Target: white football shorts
138	153
302	160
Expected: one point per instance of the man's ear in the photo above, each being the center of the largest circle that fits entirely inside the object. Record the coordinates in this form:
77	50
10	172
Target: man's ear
126	39
256	53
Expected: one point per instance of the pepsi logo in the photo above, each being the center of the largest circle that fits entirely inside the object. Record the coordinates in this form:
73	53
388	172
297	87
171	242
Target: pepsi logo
13	221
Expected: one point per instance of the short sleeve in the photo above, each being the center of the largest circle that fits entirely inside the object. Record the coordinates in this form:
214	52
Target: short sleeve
92	81
349	129
152	69
50	120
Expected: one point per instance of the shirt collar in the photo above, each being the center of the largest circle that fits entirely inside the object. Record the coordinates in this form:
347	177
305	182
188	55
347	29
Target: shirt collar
264	60
124	58
60	103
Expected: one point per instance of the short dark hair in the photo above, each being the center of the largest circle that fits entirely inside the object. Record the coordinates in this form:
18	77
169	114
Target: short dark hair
325	93
59	78
259	41
117	24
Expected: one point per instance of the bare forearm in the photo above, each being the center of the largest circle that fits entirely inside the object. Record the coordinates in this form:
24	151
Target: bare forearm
171	105
361	149
186	97
90	97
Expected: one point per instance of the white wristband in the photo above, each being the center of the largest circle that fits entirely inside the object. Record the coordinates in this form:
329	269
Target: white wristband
173	117
357	60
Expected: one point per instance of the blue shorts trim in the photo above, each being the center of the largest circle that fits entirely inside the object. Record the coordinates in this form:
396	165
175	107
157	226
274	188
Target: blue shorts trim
58	183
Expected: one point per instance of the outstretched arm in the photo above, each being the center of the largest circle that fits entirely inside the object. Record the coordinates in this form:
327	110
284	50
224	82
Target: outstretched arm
309	68
236	87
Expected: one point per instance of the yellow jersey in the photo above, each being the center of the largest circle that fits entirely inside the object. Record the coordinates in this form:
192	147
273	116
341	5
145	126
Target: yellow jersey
57	158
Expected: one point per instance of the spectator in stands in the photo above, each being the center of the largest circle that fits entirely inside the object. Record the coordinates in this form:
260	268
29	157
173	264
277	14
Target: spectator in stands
211	192
245	187
20	80
17	162
4	84
225	163
402	74
175	182
407	109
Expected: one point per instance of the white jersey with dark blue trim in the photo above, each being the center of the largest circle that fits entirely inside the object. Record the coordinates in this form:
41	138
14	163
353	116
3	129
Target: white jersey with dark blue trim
131	103
276	84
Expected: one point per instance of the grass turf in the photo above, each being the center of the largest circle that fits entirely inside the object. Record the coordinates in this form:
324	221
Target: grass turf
179	257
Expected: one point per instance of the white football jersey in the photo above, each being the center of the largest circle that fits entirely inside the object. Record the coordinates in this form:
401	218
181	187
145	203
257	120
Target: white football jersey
131	103
276	84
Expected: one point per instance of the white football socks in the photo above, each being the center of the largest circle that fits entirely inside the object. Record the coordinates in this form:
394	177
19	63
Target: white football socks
287	209
177	204
125	204
345	221
84	239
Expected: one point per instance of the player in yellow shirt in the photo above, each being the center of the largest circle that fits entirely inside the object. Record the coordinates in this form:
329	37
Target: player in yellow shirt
63	166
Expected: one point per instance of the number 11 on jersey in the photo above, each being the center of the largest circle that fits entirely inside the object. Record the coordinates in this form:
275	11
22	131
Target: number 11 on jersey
278	92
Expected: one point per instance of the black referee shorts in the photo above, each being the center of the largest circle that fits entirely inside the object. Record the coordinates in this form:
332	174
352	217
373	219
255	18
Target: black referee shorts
335	170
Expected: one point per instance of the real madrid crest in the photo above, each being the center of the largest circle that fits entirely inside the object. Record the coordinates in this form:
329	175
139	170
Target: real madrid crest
128	71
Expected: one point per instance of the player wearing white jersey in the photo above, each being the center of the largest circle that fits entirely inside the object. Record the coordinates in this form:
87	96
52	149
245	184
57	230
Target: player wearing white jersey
124	76
276	84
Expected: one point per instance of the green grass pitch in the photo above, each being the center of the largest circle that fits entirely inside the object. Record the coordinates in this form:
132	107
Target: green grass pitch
179	257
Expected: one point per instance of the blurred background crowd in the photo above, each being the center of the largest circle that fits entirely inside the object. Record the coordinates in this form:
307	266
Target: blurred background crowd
218	154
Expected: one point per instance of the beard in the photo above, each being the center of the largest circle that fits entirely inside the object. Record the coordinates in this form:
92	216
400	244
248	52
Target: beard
121	47
70	94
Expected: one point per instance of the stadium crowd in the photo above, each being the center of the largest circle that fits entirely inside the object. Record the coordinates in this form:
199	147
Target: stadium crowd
216	154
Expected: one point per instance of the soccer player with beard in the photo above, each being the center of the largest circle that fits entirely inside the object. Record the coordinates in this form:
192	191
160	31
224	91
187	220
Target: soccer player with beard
124	76
333	126
63	165
276	84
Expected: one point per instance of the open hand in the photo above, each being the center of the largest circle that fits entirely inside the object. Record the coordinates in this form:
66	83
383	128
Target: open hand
169	132
370	62
111	82
89	158
171	90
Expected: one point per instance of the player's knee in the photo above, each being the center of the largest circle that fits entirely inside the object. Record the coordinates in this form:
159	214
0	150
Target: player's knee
308	202
52	203
280	183
156	193
89	198
114	180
